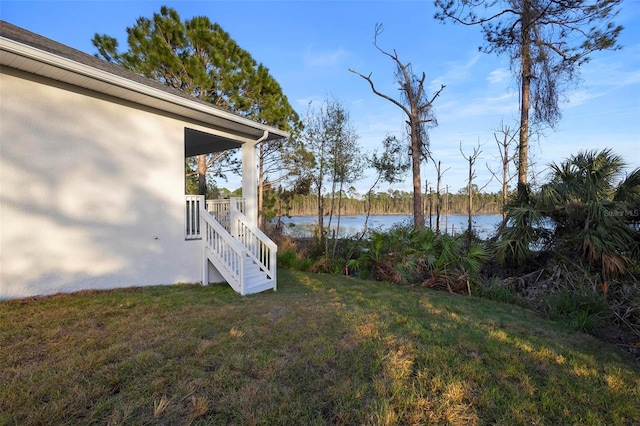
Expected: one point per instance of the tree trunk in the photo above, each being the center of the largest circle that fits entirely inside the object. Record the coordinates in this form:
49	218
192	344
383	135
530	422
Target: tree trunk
525	61
505	184
446	210
202	175
430	197
416	159
470	211
320	216
335	241
438	200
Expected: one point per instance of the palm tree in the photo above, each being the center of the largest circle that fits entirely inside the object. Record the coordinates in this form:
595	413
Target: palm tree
583	209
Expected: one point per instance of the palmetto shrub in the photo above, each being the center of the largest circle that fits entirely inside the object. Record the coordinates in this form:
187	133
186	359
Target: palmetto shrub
582	309
420	256
586	208
582	228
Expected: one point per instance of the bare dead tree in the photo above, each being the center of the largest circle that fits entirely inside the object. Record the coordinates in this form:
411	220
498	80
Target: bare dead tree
471	159
440	173
419	111
506	140
446	209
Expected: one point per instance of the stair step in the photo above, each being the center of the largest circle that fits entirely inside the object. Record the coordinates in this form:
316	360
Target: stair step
251	277
257	287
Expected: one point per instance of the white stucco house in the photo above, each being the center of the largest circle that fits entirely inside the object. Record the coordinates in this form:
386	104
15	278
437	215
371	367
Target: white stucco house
92	180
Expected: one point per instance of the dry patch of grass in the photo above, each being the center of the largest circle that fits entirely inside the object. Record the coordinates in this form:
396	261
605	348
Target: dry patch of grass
323	350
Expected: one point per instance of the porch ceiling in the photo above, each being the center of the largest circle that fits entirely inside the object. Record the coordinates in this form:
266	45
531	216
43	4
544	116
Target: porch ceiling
197	142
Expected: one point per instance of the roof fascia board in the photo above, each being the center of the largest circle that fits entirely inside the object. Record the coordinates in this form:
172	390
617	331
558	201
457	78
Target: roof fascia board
57	61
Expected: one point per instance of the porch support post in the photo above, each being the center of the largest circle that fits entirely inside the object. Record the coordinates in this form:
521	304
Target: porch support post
250	182
250	179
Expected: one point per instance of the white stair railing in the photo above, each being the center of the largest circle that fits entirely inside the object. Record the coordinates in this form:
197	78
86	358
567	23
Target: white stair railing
192	216
238	203
261	249
236	247
220	210
227	254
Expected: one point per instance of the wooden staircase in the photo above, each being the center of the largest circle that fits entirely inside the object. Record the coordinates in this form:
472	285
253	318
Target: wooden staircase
239	251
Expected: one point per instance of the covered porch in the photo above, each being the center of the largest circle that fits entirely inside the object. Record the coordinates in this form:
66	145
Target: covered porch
233	248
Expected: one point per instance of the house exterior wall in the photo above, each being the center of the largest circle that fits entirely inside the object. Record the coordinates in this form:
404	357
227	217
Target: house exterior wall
91	192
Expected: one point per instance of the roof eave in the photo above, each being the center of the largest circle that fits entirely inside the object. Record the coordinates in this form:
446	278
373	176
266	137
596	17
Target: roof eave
247	130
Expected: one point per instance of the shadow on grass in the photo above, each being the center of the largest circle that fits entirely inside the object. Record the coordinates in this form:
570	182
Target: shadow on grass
324	349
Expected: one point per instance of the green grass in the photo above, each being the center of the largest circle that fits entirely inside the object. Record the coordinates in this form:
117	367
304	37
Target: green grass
324	349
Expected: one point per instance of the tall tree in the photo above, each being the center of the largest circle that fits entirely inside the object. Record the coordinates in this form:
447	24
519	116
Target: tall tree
332	141
418	107
346	160
471	188
439	174
201	59
508	136
547	41
390	166
313	138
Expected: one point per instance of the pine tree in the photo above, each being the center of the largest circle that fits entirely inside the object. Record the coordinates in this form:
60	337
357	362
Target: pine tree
198	57
547	41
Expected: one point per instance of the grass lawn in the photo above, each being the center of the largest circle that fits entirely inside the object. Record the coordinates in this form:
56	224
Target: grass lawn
322	350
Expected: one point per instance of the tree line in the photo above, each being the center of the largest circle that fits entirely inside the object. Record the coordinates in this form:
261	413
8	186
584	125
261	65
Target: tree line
398	202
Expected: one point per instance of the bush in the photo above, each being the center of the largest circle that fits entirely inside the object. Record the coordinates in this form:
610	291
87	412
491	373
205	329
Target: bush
420	256
581	309
287	258
494	289
304	264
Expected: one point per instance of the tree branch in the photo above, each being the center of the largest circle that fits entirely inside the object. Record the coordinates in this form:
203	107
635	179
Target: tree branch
382	95
442	86
473	20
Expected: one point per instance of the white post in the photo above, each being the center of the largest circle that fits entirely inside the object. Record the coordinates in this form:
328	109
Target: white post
205	263
250	182
204	234
233	217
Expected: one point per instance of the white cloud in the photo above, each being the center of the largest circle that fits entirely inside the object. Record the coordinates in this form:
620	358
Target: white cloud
324	58
456	72
491	107
613	69
498	75
579	97
609	76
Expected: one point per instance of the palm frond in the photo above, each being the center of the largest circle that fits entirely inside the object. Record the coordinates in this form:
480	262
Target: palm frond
628	191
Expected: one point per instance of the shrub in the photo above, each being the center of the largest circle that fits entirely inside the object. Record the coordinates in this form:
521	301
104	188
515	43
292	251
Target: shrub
304	264
420	256
287	258
581	309
494	289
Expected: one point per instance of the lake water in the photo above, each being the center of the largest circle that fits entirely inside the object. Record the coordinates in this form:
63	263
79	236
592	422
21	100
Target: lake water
303	226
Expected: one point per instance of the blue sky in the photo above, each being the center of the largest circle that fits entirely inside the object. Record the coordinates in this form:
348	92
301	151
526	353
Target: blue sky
308	47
